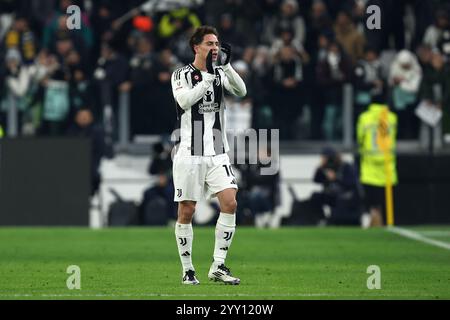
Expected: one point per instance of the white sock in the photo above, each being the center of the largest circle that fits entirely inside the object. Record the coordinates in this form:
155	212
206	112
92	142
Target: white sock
184	236
225	230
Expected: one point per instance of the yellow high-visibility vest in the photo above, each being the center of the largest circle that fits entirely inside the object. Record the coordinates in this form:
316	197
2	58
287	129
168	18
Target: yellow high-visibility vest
377	131
1	132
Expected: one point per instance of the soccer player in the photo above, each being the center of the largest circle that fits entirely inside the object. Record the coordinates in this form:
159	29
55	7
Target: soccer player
201	166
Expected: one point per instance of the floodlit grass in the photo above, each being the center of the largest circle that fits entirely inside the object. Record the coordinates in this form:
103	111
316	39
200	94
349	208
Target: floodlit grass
287	263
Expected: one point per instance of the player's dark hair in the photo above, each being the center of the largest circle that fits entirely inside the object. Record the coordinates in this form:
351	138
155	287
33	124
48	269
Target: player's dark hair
199	33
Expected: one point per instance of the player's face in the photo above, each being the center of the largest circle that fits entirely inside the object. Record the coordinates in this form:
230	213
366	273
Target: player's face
209	42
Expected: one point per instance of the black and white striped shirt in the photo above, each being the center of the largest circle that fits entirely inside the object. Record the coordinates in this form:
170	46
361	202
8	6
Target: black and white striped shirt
200	106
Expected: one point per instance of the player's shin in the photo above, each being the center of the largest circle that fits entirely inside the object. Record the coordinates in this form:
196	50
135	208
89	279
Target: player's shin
225	230
184	236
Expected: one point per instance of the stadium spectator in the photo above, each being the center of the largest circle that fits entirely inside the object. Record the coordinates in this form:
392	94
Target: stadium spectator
397	32
320	23
268	10
229	34
104	15
341	190
245	15
318	103
332	72
358	12
55	95
142	80
334	7
22	38
80	86
287	78
85	126
258	59
348	36
435	32
175	26
286	38
438	35
163	112
368	80
176	23
288	17
392	28
110	74
377	133
14	85
404	78
436	77
444	45
38	13
57	27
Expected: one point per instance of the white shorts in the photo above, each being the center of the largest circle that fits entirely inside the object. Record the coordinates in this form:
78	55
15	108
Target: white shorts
199	177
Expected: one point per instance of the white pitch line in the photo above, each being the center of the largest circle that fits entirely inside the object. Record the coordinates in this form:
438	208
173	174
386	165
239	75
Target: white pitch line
434	233
417	236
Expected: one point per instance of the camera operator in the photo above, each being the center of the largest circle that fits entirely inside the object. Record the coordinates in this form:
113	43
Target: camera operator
341	189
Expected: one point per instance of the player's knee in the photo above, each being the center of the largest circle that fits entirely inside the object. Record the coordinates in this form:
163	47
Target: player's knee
186	210
229	206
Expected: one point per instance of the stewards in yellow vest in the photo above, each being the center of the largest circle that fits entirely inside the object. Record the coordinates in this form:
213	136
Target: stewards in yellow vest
377	133
1	132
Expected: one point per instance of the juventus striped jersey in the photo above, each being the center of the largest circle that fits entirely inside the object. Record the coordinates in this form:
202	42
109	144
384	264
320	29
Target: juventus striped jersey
200	106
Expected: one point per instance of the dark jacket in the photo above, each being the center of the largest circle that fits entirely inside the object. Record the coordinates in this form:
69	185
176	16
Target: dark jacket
345	191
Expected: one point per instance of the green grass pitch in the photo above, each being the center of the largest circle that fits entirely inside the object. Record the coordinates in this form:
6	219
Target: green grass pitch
287	263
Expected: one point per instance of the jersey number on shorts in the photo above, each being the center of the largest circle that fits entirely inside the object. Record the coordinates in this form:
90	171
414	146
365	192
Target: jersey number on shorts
229	170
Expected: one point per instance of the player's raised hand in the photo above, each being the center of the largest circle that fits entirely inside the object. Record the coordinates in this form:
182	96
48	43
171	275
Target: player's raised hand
209	62
226	49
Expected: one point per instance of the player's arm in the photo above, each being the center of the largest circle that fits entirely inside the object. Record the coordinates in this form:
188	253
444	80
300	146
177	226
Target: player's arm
233	82
187	97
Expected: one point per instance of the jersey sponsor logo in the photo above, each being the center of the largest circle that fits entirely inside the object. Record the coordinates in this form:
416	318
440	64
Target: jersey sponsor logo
212	107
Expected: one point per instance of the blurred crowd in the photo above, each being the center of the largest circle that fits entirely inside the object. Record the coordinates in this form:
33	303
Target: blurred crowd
295	57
